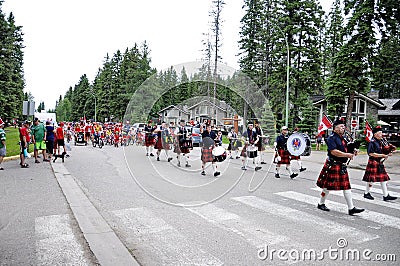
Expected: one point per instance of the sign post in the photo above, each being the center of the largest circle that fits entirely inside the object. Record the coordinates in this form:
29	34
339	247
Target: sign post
354	124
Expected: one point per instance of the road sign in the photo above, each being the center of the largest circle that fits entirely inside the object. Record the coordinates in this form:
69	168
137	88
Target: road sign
28	108
354	123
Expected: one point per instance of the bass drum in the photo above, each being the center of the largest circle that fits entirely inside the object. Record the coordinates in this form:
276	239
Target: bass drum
297	144
219	154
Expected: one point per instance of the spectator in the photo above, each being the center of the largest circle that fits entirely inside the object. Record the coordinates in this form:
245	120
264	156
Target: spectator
60	137
49	139
2	143
39	134
24	140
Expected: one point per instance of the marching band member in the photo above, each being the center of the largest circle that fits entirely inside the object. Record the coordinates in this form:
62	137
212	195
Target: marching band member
334	175
260	147
297	158
206	152
162	131
251	139
149	138
233	137
283	153
181	134
375	171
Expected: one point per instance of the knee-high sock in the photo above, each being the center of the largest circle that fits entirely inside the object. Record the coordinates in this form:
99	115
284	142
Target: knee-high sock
324	194
368	187
349	198
299	163
147	149
151	149
166	153
214	166
277	169
289	168
384	188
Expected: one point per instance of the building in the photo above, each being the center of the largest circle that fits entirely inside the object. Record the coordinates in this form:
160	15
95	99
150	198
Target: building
364	107
390	113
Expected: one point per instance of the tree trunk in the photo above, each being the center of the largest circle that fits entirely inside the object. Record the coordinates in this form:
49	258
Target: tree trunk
349	109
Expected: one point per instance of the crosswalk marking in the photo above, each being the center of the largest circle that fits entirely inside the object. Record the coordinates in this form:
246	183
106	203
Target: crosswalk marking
377	201
164	242
375	189
327	226
56	243
257	235
372	216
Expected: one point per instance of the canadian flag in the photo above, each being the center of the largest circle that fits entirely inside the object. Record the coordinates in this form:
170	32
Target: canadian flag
368	132
324	125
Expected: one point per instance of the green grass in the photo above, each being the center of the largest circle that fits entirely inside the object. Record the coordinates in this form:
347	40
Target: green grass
12	135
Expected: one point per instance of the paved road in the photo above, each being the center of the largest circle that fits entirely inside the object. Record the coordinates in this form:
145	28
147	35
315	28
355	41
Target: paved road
159	211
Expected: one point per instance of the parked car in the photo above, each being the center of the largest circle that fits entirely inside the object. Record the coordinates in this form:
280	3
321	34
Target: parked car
139	126
196	137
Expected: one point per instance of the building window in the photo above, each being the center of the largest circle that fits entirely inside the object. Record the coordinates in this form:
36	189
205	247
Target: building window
361	107
354	106
360	122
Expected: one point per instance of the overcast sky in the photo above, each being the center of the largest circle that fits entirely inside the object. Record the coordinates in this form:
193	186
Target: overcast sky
66	39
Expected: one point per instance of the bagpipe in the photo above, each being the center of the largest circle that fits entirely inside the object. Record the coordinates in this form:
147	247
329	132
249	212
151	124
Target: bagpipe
387	148
353	146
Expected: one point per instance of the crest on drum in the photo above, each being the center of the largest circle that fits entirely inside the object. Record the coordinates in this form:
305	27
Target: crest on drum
166	139
296	144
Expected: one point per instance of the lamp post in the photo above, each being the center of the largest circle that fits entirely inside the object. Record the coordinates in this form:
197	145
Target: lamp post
287	75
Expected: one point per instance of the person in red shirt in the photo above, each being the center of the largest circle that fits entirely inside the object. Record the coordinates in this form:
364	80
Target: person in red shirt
60	137
24	140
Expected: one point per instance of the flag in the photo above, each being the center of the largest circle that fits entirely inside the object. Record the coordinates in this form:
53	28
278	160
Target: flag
1	121
324	125
368	132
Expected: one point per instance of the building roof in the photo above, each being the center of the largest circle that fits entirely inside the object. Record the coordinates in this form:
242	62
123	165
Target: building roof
318	99
173	107
392	107
208	103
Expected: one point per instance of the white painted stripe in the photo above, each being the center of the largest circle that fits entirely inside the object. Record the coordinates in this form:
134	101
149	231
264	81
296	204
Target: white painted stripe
164	242
376	189
255	234
372	216
378	200
56	243
325	225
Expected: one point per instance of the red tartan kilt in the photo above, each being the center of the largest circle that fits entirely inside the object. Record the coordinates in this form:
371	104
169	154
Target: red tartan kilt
285	156
206	155
149	140
159	145
260	146
331	179
292	157
372	175
182	147
244	151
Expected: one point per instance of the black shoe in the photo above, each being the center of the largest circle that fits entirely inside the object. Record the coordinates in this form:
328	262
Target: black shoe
158	158
293	175
37	161
388	197
188	165
323	207
237	157
203	173
244	168
151	154
355	210
277	176
258	168
263	162
147	154
169	159
368	196
217	174
302	169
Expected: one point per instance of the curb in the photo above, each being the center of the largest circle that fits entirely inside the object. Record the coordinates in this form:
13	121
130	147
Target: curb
102	240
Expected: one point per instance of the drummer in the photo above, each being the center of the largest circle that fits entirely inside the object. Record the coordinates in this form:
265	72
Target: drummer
149	138
260	147
297	158
232	147
206	152
251	140
162	131
283	153
181	146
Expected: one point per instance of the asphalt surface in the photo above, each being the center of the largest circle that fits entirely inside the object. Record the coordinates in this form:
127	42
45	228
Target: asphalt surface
167	215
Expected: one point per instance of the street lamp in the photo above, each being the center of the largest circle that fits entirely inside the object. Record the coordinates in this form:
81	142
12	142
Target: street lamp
287	75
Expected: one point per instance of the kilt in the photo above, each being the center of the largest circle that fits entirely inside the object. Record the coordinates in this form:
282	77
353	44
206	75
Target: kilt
244	151
332	179
159	145
181	147
292	157
206	155
260	145
149	140
373	174
285	157
233	145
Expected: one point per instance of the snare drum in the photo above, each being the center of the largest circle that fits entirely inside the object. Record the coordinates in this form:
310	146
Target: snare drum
252	151
219	154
